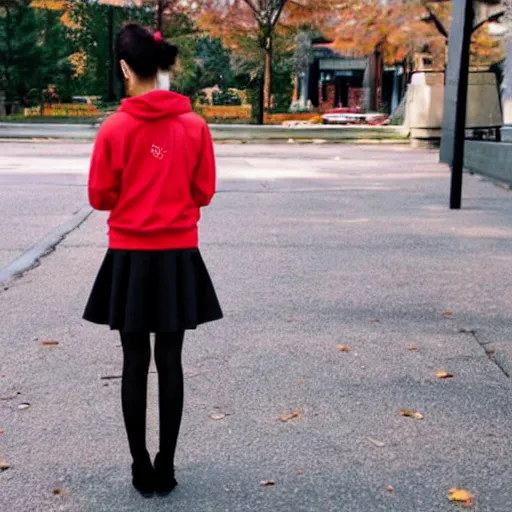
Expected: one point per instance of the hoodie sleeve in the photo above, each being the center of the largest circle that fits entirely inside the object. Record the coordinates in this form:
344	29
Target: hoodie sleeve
104	182
204	177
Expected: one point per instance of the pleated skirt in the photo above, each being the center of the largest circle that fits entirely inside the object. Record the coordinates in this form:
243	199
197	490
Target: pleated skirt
153	291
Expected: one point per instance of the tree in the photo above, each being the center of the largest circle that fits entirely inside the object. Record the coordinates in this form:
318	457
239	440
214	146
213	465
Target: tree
34	51
214	62
260	18
92	30
245	25
166	13
399	28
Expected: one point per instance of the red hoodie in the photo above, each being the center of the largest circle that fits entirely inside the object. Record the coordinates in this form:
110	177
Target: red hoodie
153	166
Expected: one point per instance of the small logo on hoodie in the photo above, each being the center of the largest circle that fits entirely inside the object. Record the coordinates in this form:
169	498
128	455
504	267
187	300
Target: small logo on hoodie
158	152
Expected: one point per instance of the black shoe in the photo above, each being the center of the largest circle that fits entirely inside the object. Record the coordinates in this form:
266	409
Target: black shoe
164	476
144	478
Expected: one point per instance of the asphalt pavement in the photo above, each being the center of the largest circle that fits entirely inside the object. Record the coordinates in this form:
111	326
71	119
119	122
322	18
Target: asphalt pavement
310	248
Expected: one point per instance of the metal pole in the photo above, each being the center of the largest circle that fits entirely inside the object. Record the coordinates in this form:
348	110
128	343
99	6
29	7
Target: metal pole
456	95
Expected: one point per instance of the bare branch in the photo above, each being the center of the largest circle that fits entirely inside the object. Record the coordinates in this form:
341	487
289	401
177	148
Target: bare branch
276	14
257	13
433	17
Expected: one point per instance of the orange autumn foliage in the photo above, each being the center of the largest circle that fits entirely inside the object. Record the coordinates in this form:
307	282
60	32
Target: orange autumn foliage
401	28
250	27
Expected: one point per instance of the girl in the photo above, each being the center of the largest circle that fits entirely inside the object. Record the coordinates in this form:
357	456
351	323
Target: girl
153	167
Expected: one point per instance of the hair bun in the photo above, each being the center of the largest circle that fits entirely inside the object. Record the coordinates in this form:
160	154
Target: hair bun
144	51
167	54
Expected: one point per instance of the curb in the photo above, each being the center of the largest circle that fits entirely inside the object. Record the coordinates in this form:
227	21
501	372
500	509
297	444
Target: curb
30	258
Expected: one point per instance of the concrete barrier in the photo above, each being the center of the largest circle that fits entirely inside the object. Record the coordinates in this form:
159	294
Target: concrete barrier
240	133
489	159
425	104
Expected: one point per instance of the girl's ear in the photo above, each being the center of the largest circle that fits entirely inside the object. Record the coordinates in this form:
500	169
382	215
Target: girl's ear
125	69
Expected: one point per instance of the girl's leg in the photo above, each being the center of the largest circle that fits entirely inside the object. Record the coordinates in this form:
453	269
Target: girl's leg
168	348
137	355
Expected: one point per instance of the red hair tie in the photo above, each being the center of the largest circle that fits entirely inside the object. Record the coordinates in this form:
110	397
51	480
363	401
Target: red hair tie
157	36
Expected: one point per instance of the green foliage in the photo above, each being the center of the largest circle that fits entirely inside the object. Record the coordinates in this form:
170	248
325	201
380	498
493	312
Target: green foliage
35	51
214	63
282	71
33	98
254	100
91	36
20	53
226	98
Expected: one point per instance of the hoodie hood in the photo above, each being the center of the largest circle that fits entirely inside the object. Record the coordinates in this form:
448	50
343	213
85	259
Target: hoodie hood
156	105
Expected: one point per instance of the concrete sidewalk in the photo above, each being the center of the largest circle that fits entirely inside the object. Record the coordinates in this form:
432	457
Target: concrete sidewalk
310	248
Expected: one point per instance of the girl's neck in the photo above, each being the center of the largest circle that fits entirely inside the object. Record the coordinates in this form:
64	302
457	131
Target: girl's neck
144	87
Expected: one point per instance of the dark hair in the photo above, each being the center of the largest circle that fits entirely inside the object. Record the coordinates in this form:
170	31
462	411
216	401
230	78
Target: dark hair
144	52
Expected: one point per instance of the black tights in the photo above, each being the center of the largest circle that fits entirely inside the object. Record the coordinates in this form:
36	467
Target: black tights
137	356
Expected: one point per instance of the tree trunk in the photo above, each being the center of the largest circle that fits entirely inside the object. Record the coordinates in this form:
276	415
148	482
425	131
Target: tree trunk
261	101
9	56
159	12
111	94
267	73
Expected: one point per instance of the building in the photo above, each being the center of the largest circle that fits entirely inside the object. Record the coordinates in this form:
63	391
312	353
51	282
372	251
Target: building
366	83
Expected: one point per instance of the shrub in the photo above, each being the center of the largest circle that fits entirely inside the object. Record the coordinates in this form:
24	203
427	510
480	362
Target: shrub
226	98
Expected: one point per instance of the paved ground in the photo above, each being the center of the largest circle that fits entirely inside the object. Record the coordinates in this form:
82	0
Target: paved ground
310	247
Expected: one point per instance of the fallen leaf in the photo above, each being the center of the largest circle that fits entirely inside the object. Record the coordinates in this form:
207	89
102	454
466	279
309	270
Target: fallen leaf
267	483
4	465
48	343
343	348
447	314
443	374
300	382
378	444
288	417
391	488
218	416
23	406
461	496
411	413
412	348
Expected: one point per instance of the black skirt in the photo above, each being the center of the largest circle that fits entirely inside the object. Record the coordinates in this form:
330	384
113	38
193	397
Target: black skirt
153	291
